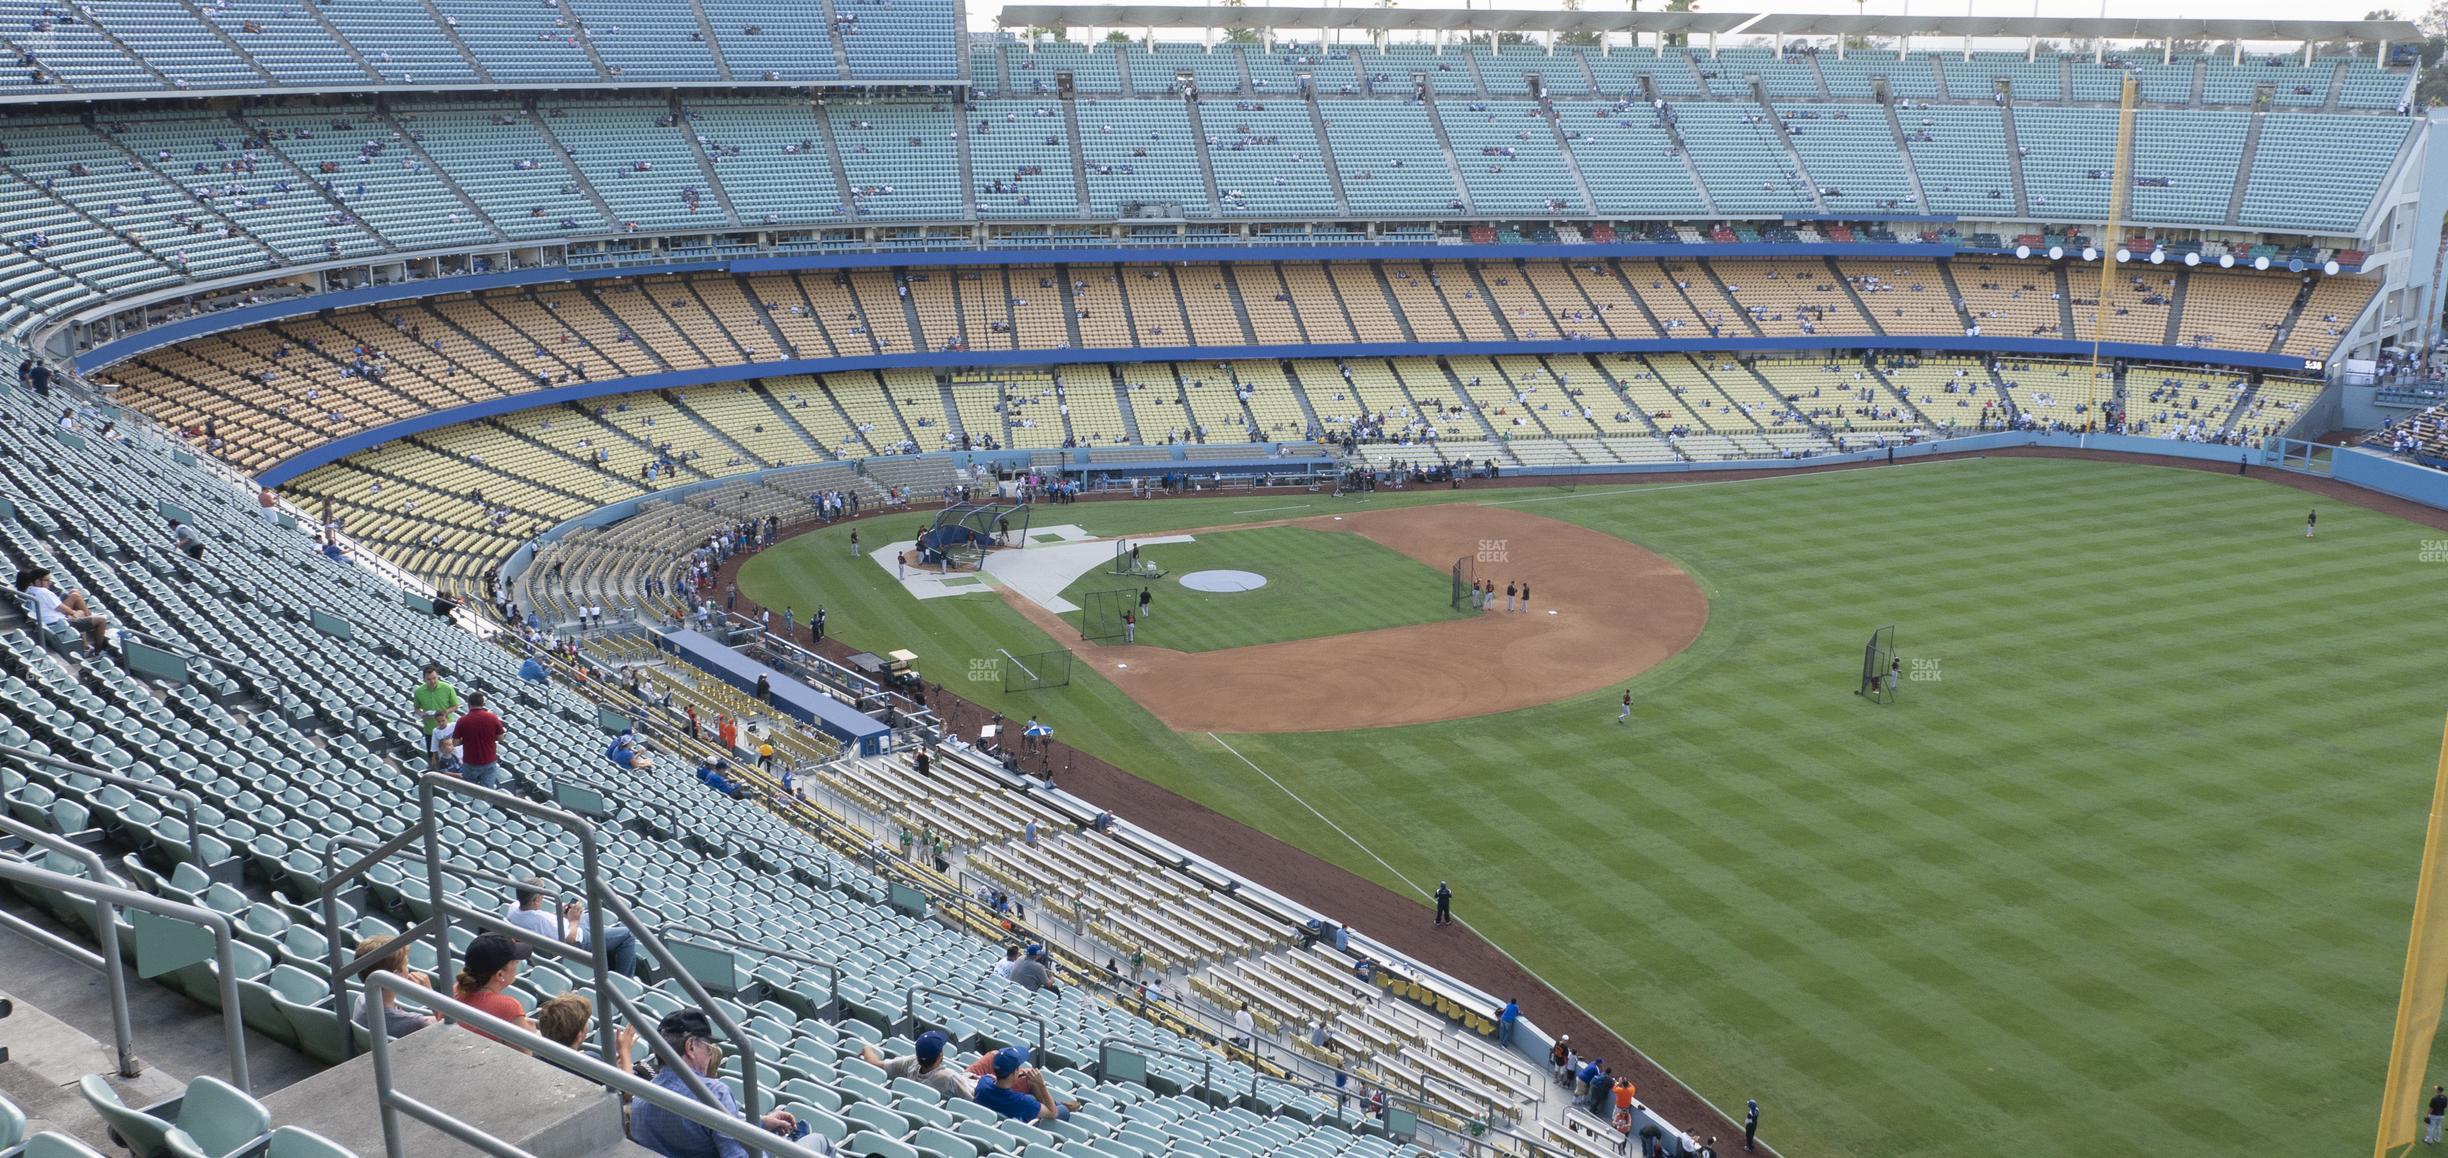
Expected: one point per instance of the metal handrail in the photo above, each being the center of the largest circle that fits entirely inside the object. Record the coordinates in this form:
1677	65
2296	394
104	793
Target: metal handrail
187	801
331	863
440	921
430	786
109	898
111	965
391	1103
909	1010
833	971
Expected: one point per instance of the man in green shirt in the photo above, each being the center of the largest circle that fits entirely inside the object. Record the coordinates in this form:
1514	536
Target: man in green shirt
436	703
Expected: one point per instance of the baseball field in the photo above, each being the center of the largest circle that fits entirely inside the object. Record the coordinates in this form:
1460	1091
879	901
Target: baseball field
2128	863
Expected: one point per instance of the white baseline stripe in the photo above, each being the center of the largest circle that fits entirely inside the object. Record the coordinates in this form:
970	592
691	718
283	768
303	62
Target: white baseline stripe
1534	974
1263	510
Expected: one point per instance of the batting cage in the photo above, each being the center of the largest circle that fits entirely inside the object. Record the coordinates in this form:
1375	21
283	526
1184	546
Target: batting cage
1465	578
1027	673
1878	664
1129	559
1101	612
963	532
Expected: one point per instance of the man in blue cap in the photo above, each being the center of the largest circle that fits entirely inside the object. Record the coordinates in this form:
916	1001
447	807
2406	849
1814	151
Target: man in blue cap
1016	1090
924	1066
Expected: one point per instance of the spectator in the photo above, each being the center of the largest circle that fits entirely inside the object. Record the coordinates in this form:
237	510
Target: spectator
628	752
564	1021
186	538
1010	961
436	702
1508	1021
569	925
52	609
925	1066
1245	1027
493	962
711	774
479	734
1032	973
1016	1089
397	1022
532	671
673	1136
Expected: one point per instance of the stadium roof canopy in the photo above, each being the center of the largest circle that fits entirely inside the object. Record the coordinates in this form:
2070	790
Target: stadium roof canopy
1794	24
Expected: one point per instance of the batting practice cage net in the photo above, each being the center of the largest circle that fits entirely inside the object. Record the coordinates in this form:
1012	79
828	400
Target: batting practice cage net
1465	576
1877	657
1044	669
1101	614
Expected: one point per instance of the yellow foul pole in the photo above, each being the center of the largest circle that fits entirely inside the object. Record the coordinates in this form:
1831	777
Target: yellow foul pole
2118	191
2426	982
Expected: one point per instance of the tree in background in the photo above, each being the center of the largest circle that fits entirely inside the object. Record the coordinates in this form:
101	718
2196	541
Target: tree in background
2432	90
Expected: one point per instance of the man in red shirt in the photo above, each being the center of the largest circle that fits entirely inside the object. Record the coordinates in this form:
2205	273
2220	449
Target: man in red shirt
479	734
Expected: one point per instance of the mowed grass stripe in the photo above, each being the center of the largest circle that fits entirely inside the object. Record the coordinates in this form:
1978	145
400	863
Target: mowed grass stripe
2125	707
2134	870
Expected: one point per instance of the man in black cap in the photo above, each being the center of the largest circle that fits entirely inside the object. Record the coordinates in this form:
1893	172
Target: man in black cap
667	1133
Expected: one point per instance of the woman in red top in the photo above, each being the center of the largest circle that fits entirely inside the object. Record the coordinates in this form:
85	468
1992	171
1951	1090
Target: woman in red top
492	964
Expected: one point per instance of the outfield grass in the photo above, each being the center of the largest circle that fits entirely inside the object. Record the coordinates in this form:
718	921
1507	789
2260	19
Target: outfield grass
2134	870
1318	583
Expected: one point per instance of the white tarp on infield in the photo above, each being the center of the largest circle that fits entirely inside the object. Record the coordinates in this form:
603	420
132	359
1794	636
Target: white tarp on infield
1039	571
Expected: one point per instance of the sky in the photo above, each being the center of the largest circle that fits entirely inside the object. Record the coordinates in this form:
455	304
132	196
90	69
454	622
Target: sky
980	13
